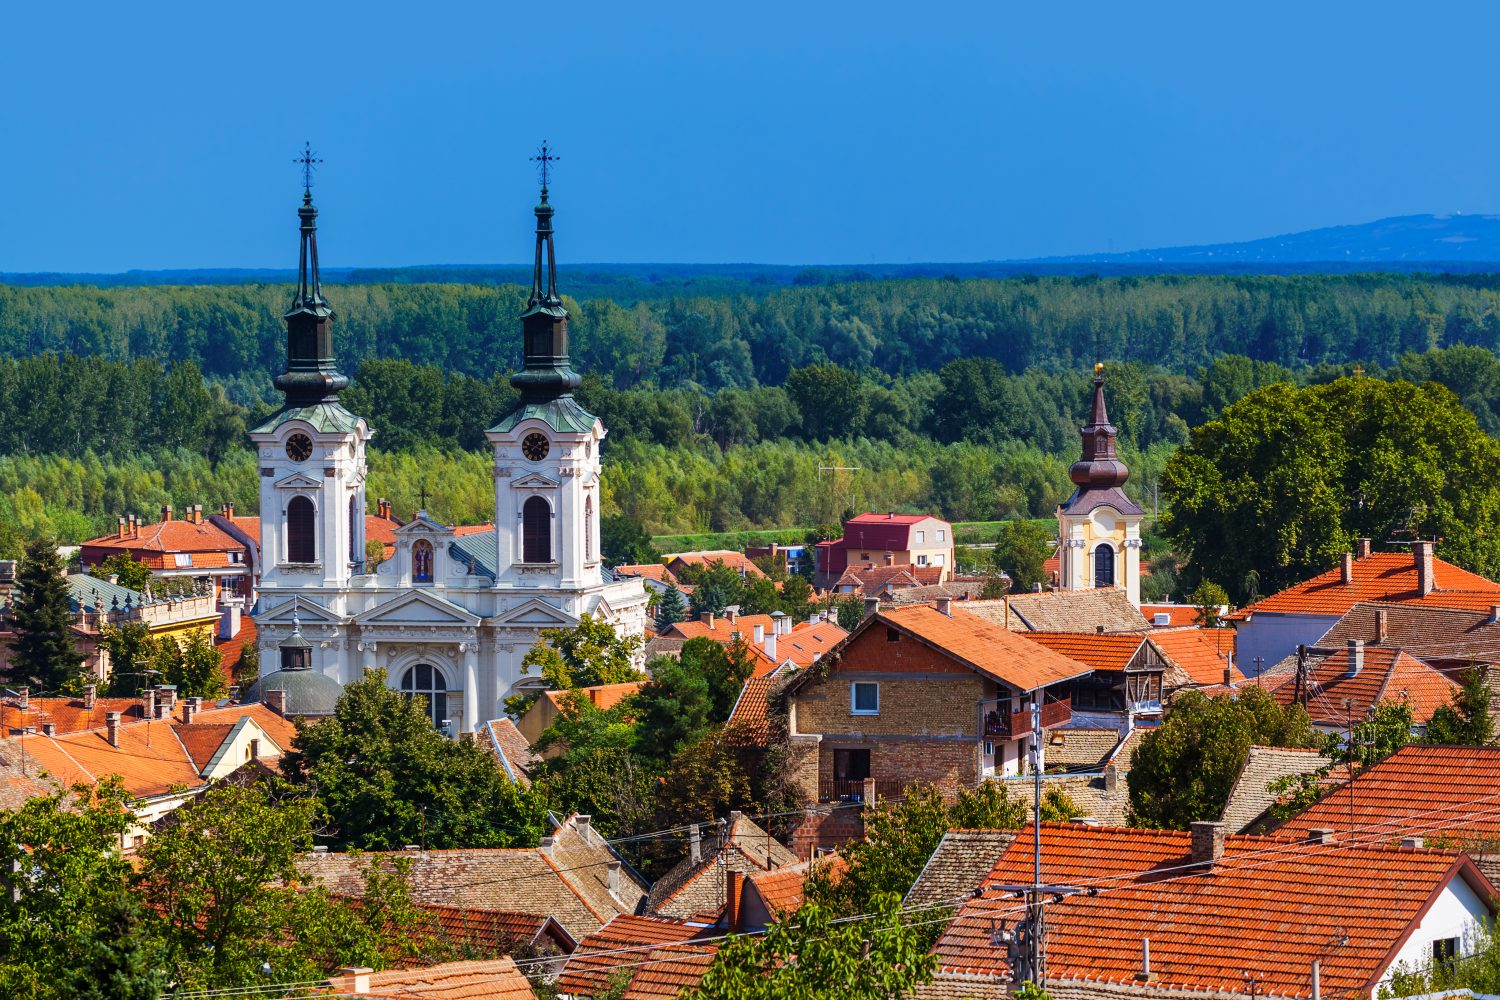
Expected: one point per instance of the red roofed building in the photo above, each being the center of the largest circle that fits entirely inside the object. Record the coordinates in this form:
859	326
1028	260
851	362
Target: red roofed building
915	541
1351	682
1219	908
190	547
921	694
1270	630
621	944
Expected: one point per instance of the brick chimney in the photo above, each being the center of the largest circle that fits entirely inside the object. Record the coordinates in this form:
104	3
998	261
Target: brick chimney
695	846
614	879
1361	548
1111	778
734	894
166	512
707	618
50	729
275	700
226	509
872	606
1346	568
189	710
120	527
769	645
1356	658
945	606
90	695
1208	843
1382	626
1320	835
112	728
356	979
167	695
1421	553
148	700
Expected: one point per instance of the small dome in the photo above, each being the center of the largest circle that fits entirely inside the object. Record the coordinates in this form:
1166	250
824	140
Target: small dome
308	692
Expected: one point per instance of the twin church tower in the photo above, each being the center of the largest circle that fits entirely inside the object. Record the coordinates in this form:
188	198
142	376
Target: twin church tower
451	612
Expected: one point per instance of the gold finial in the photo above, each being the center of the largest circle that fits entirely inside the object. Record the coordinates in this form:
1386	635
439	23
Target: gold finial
1098	367
1359	370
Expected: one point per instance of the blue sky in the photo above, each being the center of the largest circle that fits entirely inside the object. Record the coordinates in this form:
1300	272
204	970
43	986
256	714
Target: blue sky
161	134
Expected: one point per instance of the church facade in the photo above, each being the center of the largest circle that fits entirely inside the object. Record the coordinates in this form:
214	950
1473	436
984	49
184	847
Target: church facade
449	615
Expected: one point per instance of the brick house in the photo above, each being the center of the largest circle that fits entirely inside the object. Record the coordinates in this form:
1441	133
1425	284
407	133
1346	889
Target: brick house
917	541
920	694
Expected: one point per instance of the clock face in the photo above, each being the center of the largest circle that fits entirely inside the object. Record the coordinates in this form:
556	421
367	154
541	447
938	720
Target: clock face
535	447
299	447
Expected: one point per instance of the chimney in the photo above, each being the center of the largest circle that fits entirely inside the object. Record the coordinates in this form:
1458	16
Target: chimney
162	711
90	695
1346	568
734	893
167	695
1421	553
730	613
148	699
614	879
275	700
1320	835
1208	843
120	527
1383	623
356	978
770	645
50	729
166	512
1356	658
759	631
1405	841
23	698
546	846
707	618
112	728
695	847
189	709
1145	975
872	606
229	621
945	606
1361	548
583	824
227	510
1111	778
1494	614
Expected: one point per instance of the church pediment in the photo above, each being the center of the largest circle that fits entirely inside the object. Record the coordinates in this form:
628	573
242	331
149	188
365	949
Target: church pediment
418	607
299	481
535	481
306	612
536	613
423	525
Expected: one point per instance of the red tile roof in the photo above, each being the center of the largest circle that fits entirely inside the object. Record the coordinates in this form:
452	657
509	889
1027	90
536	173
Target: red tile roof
1178	615
749	724
1386	674
1202	653
1381	576
495	979
153	540
602	696
232	651
668	971
722	629
886	531
736	561
67	714
492	932
807	642
1101	651
782	890
622	943
985	647
651	571
1270	907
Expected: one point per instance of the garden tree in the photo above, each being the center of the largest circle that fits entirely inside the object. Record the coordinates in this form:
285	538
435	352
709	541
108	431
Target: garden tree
1208	597
672	708
796	593
849	611
130	646
116	960
1387	729
1478	971
1286	478
670	608
1021	547
1466	719
708	777
42	651
1231	377
592	652
724	667
899	838
760	597
712	598
68	846
831	400
810	957
623	540
194	666
1182	770
597	771
383	777
126	571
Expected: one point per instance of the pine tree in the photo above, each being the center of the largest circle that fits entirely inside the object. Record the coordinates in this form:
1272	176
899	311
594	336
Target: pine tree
44	653
670	609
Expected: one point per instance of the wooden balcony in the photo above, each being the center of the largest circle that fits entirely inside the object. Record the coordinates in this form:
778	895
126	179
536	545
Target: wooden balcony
1018	724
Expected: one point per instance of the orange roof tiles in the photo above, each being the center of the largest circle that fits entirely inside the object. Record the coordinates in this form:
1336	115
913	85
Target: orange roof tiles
601	696
1381	576
736	561
232	651
1263	909
985	647
651	571
749	722
623	942
496	979
669	971
1102	651
1178	615
782	890
202	740
1385	674
68	714
1202	653
807	642
1433	791
723	629
151	541
492	931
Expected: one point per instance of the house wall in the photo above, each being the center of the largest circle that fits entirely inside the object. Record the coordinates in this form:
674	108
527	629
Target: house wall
1272	637
1455	913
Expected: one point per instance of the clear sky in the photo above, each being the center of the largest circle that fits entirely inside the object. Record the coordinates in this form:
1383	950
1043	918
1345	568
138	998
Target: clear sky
161	134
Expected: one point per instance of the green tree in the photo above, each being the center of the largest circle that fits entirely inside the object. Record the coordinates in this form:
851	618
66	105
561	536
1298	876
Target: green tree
708	778
592	652
1208	597
796	595
384	778
1466	719
1182	770
196	666
43	651
623	540
1285	480
670	609
671	709
117	960
597	771
126	571
1021	548
810	957
831	399
130	647
724	667
1388	729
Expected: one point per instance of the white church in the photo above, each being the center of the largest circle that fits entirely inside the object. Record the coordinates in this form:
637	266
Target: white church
449	617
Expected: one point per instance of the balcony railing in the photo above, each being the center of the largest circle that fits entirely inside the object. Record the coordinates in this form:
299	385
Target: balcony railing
1017	724
854	789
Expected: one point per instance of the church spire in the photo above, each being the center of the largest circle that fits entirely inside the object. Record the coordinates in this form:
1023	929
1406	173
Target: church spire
311	374
1099	467
546	374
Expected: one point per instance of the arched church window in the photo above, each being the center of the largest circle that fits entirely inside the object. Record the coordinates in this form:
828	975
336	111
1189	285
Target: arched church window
421	561
427	682
1104	566
301	531
355	555
588	529
536	531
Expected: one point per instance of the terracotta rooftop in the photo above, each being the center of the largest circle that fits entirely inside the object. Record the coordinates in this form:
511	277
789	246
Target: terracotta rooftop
1254	911
623	943
232	651
782	889
651	571
808	641
495	979
669	971
601	696
493	932
984	647
1380	576
1178	615
749	721
1064	611
1431	633
1080	748
1201	654
736	561
1100	651
1386	674
511	749
698	887
722	629
1251	795
176	535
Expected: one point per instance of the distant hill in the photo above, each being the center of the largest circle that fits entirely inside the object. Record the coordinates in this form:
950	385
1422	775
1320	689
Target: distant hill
1458	244
1403	239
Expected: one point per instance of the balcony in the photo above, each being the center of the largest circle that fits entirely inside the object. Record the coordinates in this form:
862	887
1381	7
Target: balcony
855	789
1017	724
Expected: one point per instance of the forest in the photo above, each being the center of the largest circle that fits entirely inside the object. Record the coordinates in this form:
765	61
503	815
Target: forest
724	413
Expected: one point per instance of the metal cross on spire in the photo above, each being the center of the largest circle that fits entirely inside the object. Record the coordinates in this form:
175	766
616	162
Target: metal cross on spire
545	159
308	161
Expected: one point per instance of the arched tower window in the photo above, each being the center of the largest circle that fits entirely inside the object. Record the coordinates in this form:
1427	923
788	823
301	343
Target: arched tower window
421	561
536	531
301	531
355	555
588	528
427	682
1104	566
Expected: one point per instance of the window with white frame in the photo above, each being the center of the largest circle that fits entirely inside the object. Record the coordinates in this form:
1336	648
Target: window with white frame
937	560
922	559
942	534
864	698
921	537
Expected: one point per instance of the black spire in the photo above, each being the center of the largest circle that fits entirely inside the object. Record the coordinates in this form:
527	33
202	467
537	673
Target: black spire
311	376
544	325
1099	467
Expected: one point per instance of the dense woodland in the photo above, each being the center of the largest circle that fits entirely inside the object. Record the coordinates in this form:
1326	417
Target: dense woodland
962	398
